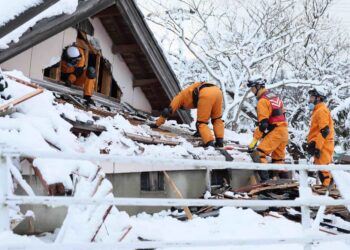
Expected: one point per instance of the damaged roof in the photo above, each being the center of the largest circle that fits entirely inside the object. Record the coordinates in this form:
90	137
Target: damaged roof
130	34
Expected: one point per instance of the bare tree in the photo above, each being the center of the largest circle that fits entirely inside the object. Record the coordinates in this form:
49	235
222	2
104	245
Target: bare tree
291	43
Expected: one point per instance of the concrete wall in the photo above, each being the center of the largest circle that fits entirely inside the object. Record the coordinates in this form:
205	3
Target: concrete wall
46	218
32	62
191	184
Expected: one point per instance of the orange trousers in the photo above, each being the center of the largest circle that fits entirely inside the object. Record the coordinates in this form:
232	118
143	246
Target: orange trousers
210	107
326	157
274	144
85	82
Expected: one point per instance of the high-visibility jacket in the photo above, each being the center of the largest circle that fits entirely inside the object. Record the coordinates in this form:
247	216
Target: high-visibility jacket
321	118
77	74
75	71
269	107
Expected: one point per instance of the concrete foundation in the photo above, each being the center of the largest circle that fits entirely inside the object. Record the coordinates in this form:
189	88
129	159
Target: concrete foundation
192	184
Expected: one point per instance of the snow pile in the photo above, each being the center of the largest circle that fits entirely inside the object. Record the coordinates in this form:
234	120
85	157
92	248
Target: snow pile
231	224
12	9
38	124
61	7
342	179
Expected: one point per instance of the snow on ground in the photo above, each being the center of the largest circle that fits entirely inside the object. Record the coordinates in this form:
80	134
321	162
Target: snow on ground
10	10
232	223
37	122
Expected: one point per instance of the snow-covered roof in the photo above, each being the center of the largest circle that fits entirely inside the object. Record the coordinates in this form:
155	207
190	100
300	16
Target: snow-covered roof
37	123
151	71
13	9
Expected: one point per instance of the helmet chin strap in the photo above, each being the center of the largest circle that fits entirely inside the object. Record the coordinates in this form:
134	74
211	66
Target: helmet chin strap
257	90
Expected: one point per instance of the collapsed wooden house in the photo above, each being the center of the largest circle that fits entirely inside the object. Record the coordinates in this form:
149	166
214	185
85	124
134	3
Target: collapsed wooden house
131	67
135	80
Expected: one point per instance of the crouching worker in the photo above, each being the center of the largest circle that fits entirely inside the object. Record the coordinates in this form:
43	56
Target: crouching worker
272	129
207	98
321	135
74	71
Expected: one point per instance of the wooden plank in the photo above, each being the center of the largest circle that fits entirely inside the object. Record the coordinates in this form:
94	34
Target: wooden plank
144	82
103	220
125	234
150	140
21	99
274	187
79	105
19	80
57	86
106	82
51	189
85	128
25	16
126	48
178	194
45	30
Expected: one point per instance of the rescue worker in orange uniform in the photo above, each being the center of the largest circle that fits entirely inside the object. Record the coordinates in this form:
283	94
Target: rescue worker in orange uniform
74	71
272	129
207	98
321	135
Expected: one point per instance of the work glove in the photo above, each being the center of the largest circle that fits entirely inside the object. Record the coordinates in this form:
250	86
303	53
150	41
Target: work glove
67	83
252	145
317	153
153	125
310	148
167	112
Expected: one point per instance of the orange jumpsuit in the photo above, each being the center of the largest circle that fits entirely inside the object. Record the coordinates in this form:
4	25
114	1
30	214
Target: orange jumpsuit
321	118
274	142
80	79
209	106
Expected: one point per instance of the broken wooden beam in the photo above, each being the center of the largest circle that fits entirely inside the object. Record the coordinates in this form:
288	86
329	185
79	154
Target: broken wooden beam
52	189
24	82
273	187
38	90
76	103
102	222
178	194
84	127
150	139
19	100
125	233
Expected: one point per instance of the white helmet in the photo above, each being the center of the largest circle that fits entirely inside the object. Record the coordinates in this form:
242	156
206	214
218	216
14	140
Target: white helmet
73	52
318	91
